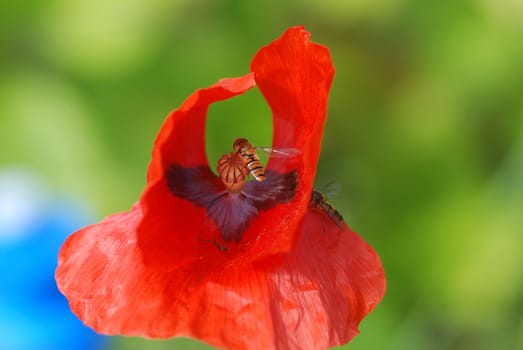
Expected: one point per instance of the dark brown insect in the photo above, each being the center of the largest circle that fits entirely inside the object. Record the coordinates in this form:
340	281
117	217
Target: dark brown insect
319	201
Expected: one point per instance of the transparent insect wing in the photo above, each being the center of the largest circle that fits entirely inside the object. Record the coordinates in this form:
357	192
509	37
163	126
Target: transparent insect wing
280	152
330	189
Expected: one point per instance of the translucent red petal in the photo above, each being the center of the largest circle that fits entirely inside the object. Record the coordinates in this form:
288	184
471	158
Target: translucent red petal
314	297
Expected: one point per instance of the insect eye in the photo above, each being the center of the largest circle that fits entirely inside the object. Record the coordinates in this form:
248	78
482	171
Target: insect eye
238	144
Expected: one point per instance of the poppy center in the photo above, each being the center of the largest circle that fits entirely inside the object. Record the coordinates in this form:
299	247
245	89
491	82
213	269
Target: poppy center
230	202
234	167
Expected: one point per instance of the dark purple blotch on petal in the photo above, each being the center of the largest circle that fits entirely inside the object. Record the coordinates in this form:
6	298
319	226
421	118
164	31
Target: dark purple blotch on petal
231	212
198	185
275	189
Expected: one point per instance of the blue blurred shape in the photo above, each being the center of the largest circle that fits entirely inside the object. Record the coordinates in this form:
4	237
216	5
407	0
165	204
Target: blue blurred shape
34	222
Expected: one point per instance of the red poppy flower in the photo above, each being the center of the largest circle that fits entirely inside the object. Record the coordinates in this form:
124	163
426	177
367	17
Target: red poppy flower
240	267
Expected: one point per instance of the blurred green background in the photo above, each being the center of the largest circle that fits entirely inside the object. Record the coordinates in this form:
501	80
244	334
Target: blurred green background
425	132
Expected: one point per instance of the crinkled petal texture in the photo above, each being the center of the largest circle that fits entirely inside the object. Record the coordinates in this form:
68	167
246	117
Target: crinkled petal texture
295	281
311	298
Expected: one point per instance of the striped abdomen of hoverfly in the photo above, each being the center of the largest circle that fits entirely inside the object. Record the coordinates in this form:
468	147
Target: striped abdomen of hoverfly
250	157
319	201
253	163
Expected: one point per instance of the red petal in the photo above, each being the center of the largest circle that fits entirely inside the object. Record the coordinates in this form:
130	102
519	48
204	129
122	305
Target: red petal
314	298
295	76
170	231
100	270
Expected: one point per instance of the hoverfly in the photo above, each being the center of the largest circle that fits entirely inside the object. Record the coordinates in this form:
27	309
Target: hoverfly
319	201
234	167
